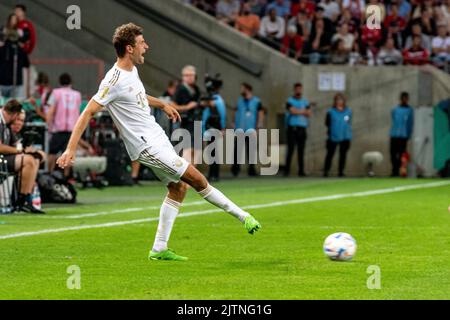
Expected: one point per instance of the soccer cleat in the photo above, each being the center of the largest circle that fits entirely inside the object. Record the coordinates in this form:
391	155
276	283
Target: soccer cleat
168	254
251	224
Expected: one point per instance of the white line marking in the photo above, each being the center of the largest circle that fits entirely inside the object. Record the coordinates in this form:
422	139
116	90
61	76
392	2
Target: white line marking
258	206
104	213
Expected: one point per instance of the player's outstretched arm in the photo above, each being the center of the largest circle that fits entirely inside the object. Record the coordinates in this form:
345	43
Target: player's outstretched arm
68	157
167	108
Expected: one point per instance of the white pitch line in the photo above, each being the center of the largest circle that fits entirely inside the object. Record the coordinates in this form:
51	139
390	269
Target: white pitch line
104	213
258	206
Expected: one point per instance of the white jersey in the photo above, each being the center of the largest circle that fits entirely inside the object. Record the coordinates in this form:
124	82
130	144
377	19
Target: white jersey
123	95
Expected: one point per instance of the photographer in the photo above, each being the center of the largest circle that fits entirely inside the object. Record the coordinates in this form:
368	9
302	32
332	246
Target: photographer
18	160
186	99
214	117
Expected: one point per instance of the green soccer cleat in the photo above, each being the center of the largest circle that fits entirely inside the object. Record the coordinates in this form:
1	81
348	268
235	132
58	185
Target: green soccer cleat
168	254
251	224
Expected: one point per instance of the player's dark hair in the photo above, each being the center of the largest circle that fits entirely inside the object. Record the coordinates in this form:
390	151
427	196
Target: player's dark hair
247	86
124	36
21	6
65	79
13	107
298	84
404	94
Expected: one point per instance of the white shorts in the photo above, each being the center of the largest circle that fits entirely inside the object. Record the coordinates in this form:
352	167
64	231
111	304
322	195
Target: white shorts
165	163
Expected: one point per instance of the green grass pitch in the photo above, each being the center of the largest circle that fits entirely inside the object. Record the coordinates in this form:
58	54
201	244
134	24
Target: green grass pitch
405	233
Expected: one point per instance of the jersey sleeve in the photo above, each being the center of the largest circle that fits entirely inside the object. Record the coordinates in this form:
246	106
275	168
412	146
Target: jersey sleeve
106	94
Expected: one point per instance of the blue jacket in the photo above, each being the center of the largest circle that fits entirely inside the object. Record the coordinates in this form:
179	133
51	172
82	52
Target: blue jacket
296	120
402	122
221	110
247	113
339	124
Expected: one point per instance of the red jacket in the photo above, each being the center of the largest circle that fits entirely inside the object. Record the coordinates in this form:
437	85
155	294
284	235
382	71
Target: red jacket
28	28
416	56
286	43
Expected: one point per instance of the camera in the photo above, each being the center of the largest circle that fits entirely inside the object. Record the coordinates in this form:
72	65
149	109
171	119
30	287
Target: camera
30	138
212	84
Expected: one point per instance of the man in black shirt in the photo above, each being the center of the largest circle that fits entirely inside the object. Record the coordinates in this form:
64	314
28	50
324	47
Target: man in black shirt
186	99
17	160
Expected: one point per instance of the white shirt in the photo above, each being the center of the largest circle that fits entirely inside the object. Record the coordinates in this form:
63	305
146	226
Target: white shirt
123	95
441	43
267	27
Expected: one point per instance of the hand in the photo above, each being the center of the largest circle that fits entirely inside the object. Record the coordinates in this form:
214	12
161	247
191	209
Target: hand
171	113
66	160
30	150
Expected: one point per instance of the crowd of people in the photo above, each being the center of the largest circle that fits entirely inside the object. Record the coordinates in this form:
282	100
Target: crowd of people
410	32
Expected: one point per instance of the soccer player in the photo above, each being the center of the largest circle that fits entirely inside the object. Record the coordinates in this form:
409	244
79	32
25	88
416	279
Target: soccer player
123	95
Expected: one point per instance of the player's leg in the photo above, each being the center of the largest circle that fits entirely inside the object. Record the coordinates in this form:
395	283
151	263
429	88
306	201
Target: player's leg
167	215
196	180
28	168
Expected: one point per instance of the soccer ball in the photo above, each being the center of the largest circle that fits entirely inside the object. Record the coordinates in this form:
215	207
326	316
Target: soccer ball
339	246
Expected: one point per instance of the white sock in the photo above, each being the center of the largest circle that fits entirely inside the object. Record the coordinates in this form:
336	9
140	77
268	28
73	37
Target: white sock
217	198
167	215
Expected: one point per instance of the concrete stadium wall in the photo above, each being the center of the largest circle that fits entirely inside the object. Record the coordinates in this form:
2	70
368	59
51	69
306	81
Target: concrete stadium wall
371	91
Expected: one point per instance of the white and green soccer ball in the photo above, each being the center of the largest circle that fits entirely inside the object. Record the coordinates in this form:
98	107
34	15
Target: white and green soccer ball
340	246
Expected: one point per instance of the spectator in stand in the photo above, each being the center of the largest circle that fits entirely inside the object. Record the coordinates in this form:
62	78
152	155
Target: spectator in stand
404	8
227	11
416	30
331	9
272	29
339	123
356	7
292	44
445	9
395	25
27	27
248	22
282	8
208	6
416	55
427	22
62	115
441	48
389	55
371	38
346	17
302	23
306	6
360	55
345	36
339	54
401	131
258	7
319	44
439	16
12	59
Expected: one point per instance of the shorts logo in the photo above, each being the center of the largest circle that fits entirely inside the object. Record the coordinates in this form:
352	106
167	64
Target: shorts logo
104	92
179	163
